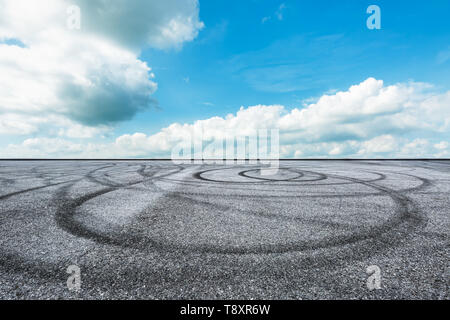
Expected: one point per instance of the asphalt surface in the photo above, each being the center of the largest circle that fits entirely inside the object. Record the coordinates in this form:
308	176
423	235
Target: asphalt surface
156	230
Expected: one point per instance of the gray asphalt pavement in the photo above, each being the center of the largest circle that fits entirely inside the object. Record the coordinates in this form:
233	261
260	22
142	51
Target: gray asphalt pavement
156	230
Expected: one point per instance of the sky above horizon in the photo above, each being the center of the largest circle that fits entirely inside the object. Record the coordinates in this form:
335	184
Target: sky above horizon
137	77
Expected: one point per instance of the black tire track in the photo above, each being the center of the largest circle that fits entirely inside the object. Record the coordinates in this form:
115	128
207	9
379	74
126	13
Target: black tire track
407	222
406	213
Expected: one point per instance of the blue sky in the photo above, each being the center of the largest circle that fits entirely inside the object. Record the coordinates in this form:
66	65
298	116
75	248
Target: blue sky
255	52
317	47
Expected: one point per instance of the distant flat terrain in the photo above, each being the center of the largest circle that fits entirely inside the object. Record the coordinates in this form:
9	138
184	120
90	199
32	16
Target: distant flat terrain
157	230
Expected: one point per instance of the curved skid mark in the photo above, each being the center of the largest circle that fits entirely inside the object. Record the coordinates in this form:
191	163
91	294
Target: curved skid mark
406	214
6	196
245	175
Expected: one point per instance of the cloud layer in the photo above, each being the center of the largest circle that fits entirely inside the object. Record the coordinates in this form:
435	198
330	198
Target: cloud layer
367	120
90	77
60	87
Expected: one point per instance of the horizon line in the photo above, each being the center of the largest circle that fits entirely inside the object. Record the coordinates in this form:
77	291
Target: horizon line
224	159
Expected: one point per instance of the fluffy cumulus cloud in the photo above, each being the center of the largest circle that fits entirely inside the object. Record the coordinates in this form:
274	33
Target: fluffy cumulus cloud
159	24
79	81
61	86
367	120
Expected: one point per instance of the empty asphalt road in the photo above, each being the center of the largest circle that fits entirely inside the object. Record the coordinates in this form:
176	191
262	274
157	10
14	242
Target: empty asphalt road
157	230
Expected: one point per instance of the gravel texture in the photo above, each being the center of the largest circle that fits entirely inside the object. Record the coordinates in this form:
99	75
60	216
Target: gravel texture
156	230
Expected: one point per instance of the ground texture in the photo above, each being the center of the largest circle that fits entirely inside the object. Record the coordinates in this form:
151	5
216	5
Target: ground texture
156	230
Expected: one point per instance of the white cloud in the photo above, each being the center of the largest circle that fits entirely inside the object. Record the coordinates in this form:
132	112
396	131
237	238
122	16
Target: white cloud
381	144
159	24
14	124
368	120
130	24
91	77
279	12
441	145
